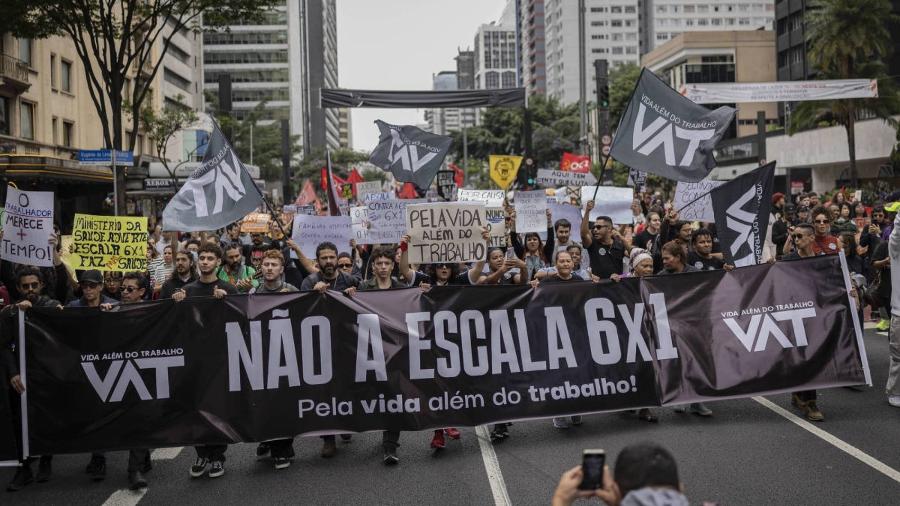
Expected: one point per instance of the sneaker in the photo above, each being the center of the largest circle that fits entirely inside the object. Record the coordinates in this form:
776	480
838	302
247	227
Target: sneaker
437	442
96	467
894	400
22	478
560	423
681	409
798	403
44	469
698	408
216	469
453	433
646	415
199	467
883	325
328	448
282	463
136	480
390	457
576	420
262	451
812	412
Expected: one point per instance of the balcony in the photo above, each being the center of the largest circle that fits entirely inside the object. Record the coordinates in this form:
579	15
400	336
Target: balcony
13	75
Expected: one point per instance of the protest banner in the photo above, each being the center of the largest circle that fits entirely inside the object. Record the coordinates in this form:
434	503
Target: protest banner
551	178
379	221
560	211
446	232
611	201
446	184
693	201
109	243
310	231
406	360
255	223
379	196
364	188
490	198
504	169
531	211
496	218
27	227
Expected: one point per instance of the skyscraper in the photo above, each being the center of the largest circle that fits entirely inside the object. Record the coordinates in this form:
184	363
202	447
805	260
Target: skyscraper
495	56
532	63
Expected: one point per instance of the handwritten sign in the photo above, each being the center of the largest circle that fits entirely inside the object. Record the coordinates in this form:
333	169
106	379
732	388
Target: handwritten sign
364	188
379	221
446	184
496	218
27	227
531	211
687	193
550	177
379	196
562	211
611	201
109	243
446	232
310	231
255	223
490	198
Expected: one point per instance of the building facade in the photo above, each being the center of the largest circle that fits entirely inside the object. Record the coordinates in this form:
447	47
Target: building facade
663	20
532	57
495	56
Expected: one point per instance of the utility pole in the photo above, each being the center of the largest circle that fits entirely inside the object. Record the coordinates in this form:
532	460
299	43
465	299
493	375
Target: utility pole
582	76
286	174
601	74
225	101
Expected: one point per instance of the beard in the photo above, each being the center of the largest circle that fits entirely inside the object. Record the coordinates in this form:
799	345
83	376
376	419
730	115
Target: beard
327	270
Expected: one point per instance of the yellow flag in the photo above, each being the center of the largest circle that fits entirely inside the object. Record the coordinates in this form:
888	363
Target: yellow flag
504	169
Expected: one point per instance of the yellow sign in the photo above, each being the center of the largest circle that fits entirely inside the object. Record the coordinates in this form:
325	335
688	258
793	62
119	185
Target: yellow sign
109	243
504	169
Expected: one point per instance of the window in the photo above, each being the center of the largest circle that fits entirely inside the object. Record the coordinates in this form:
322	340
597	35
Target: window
630	50
52	71
25	51
688	9
630	9
26	120
616	23
615	9
54	128
617	50
278	56
177	80
65	75
4	116
68	134
600	23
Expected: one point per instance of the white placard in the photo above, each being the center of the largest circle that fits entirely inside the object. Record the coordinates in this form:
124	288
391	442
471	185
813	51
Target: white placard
568	212
446	232
611	201
380	221
490	198
531	211
551	177
379	196
496	218
366	187
689	207
310	231
27	227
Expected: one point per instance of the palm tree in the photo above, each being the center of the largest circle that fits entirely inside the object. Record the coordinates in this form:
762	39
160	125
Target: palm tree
849	39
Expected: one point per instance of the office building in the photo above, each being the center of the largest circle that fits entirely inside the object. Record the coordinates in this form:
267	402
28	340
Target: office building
532	63
663	20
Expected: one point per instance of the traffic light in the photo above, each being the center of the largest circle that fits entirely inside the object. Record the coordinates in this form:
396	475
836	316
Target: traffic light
601	71
530	172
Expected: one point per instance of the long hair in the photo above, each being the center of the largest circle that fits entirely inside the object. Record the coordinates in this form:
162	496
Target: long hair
540	248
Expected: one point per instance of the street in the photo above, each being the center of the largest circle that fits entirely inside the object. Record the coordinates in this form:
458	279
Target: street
749	452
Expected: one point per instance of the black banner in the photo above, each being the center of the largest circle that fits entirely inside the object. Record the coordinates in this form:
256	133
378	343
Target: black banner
503	97
8	437
250	368
741	207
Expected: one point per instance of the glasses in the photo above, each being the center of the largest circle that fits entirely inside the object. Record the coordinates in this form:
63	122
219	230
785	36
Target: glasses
442	266
89	284
129	289
31	286
345	266
820	222
798	236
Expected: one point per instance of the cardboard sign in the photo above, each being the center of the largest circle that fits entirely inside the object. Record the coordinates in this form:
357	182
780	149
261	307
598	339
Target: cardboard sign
531	211
611	201
446	184
27	227
496	218
310	231
490	198
255	223
689	207
446	232
109	243
379	221
366	187
551	178
379	196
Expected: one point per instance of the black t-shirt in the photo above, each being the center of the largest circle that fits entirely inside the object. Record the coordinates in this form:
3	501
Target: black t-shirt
606	260
341	282
554	278
645	240
201	289
172	285
704	264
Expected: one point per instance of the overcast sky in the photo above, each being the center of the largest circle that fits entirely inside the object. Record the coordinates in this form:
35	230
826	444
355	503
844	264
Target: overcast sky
398	45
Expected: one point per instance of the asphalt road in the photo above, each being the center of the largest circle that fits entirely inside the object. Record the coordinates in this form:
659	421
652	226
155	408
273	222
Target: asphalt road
747	453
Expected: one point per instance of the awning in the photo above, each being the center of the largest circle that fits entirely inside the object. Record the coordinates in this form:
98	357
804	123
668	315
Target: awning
30	166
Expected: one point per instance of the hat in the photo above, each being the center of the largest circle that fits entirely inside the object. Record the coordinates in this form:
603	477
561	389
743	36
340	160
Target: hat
91	276
776	197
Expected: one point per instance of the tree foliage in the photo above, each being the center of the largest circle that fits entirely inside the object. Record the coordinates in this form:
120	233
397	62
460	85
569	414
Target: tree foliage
161	127
622	80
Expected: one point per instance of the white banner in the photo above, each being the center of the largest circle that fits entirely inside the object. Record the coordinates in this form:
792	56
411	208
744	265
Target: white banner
446	232
496	218
366	187
490	198
380	221
550	177
781	91
567	212
692	204
531	211
611	201
310	231
27	226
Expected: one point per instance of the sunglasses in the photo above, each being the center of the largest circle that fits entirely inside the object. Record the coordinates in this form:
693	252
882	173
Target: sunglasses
798	236
129	289
442	266
822	221
31	286
345	266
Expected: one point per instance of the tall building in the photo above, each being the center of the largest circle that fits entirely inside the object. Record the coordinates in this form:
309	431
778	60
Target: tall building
345	129
532	62
283	61
442	121
663	20
465	69
182	69
495	56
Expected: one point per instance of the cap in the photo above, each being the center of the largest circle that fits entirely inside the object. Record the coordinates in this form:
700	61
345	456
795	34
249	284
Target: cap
91	276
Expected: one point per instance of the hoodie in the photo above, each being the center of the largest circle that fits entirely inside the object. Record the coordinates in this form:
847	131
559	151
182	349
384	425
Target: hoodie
894	253
654	497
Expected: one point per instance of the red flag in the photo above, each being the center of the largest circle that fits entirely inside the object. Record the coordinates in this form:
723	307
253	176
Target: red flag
459	177
408	191
307	195
354	177
335	178
575	163
334	201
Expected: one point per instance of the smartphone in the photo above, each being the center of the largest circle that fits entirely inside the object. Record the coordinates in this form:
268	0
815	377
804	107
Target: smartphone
510	253
592	462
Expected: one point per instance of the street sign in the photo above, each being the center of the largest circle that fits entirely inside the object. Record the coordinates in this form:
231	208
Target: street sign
104	157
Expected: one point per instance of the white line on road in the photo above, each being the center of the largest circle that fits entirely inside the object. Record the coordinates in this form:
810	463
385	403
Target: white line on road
492	466
125	497
166	453
840	444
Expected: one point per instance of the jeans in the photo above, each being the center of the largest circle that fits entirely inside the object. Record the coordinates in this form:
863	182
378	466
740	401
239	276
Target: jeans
390	439
136	458
893	381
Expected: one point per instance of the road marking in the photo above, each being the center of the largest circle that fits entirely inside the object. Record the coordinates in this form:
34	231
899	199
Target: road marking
840	444
125	497
492	467
166	453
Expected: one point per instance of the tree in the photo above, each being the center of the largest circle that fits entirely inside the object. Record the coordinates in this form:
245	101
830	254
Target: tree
119	41
622	80
849	39
162	127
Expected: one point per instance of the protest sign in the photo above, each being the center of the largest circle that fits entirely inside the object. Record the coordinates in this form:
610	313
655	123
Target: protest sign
27	227
551	177
255	223
379	196
503	169
490	198
531	211
496	218
611	201
446	184
109	243
364	188
446	232
378	221
562	211
693	201
310	231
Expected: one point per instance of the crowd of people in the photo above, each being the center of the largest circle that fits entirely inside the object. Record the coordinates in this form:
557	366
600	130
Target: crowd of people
226	262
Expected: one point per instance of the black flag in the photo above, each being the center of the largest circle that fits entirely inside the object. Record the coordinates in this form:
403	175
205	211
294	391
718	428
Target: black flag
411	154
742	208
666	134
